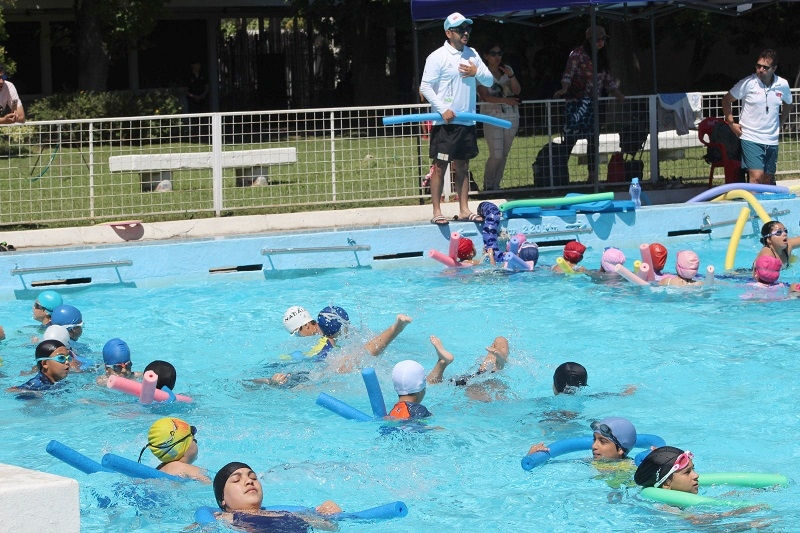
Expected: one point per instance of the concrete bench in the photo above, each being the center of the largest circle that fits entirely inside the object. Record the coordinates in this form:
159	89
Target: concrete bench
671	146
156	169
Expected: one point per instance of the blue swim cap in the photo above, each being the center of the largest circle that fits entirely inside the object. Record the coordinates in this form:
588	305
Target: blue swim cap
620	429
331	319
49	300
529	251
116	352
67	316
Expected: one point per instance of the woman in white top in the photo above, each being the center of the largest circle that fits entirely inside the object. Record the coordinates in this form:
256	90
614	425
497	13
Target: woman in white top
500	100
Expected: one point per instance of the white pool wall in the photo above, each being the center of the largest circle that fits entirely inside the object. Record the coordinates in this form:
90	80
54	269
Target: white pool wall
36	502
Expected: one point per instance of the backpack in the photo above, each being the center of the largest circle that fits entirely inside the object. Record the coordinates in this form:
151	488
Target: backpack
722	134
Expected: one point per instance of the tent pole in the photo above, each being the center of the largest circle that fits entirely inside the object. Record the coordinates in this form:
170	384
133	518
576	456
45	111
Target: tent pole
415	48
595	101
653	48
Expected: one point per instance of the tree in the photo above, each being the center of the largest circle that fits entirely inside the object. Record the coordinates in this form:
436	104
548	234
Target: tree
106	30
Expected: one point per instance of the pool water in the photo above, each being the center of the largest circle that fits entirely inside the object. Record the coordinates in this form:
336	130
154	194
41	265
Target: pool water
714	373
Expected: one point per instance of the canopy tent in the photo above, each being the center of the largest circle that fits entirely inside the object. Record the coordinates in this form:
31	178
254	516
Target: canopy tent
540	13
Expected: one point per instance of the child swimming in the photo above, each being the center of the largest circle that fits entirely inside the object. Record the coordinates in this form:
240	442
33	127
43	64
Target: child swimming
174	443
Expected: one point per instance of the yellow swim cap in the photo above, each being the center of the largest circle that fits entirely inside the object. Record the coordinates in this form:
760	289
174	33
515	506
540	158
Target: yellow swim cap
169	438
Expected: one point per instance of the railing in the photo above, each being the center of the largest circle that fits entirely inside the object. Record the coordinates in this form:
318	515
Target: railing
59	172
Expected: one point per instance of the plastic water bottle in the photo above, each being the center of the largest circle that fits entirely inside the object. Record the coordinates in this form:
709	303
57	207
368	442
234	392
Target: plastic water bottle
636	192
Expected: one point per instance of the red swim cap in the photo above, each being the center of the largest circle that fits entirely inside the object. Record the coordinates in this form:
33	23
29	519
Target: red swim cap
466	250
573	251
659	255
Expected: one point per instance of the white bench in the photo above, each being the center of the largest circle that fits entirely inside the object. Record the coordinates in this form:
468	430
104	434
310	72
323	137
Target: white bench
671	146
250	165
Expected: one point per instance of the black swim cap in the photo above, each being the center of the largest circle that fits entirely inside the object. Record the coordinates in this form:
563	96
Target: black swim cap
46	348
569	375
222	477
656	464
165	372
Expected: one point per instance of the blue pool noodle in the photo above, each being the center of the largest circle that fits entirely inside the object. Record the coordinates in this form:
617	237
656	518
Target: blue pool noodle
645	440
422	117
134	469
205	515
374	392
341	408
557	448
73	458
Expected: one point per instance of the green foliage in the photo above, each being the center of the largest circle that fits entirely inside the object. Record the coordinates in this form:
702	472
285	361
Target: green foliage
83	105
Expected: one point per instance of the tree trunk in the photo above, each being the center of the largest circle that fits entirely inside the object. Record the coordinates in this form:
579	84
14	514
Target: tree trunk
93	60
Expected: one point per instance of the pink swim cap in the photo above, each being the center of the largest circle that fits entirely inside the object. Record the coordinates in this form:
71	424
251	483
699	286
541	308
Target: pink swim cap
768	269
612	257
687	264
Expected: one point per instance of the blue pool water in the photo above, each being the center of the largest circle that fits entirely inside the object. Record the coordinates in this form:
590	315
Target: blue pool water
714	374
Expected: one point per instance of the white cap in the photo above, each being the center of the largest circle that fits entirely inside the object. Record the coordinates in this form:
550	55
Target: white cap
454	20
57	333
408	377
295	318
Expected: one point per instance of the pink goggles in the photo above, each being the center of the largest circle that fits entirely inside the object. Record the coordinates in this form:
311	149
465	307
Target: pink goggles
681	462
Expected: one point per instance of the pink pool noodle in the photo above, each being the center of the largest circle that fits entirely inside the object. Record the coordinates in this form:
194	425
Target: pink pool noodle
644	271
709	275
444	259
453	252
647	257
134	388
148	390
630	276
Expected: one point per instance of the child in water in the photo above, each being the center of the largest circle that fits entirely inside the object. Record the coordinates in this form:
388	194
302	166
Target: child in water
495	360
686	265
117	361
410	382
173	442
52	359
613	439
573	254
776	241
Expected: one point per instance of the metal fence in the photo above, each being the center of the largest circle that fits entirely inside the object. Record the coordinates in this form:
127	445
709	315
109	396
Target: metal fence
264	162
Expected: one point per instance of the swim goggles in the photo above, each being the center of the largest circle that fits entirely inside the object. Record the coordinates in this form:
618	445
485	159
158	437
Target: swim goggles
60	358
120	367
681	462
606	431
779	232
169	444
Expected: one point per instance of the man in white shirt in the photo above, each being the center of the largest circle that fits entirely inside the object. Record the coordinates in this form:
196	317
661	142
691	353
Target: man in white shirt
10	106
449	84
766	106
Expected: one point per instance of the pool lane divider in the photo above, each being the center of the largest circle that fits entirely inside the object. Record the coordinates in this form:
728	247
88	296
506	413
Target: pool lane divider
351	413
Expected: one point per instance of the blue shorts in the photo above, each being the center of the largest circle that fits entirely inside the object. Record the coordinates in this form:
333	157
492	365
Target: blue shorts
757	156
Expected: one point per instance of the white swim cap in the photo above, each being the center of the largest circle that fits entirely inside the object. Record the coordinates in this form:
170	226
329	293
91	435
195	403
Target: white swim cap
57	333
408	377
295	318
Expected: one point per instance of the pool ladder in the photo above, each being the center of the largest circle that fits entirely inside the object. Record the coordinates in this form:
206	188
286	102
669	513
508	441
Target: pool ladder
59	268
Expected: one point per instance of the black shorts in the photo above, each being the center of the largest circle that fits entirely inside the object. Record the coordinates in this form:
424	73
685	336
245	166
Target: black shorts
453	142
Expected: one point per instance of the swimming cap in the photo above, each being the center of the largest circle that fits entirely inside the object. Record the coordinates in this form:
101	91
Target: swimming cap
295	318
573	251
46	348
612	257
222	477
621	429
165	372
408	377
56	332
529	251
49	300
572	375
331	319
169	438
768	269
659	255
687	264
67	316
466	249
655	465
116	352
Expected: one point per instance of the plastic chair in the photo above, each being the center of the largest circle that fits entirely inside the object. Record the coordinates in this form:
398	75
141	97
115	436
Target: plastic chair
732	167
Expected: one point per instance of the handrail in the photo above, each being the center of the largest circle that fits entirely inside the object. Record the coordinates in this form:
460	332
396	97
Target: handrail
710	225
315	250
107	264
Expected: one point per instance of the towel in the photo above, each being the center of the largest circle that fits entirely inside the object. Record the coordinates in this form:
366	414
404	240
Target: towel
679	111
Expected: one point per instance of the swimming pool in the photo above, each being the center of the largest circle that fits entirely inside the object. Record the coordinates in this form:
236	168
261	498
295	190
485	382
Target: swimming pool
713	375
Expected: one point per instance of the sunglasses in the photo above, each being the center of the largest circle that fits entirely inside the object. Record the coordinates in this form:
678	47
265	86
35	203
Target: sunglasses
169	445
606	431
779	232
462	29
496	53
680	463
121	367
759	66
60	358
